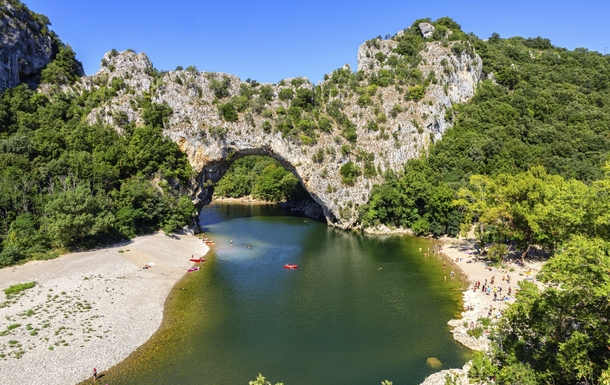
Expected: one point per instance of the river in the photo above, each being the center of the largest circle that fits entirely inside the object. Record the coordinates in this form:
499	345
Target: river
358	309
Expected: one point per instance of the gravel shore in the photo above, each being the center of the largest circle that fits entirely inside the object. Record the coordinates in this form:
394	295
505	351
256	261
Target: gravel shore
461	258
88	309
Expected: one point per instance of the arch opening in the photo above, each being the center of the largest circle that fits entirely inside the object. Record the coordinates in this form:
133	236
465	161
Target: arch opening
261	175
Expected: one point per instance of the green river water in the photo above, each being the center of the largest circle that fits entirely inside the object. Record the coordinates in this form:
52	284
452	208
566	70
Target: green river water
358	310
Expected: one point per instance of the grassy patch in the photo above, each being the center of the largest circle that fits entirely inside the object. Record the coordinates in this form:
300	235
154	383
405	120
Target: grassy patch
485	321
18	288
476	332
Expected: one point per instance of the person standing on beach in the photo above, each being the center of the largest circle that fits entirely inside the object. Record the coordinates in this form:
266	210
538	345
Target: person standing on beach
94	374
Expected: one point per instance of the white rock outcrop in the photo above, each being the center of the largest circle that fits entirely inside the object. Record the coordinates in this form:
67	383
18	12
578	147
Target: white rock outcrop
211	143
426	29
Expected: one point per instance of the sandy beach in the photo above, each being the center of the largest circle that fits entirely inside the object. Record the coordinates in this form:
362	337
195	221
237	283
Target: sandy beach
88	309
461	258
477	305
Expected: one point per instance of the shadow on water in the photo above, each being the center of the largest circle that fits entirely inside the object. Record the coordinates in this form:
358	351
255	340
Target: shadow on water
359	309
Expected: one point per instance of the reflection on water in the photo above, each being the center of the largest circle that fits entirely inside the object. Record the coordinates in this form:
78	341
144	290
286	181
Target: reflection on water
357	310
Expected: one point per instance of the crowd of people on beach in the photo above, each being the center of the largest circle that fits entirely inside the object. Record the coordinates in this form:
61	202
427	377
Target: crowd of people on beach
495	290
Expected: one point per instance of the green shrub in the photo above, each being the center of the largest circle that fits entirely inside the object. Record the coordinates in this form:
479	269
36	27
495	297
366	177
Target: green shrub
415	93
476	332
10	255
228	112
485	321
396	109
369	169
266	93
346	149
64	69
349	133
372	125
220	88
349	173
325	125
267	126
218	132
297	82
318	157
286	94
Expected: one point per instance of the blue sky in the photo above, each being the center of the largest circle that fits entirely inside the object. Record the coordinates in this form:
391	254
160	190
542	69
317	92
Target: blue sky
272	40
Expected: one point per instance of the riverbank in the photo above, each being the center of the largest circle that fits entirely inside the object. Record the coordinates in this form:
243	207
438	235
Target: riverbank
88	309
306	207
243	200
462	258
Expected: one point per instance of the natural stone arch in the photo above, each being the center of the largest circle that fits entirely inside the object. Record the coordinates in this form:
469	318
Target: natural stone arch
215	170
209	139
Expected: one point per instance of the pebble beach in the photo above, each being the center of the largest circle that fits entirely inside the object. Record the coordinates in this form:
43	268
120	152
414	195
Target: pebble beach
88	309
462	258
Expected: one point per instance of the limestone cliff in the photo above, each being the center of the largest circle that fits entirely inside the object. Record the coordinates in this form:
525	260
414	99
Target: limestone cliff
25	44
363	118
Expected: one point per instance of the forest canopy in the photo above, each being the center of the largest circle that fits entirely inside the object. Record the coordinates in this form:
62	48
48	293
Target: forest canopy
65	183
261	177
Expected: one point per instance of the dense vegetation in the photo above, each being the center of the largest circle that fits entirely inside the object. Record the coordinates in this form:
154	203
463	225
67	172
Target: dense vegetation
558	335
65	183
541	106
262	177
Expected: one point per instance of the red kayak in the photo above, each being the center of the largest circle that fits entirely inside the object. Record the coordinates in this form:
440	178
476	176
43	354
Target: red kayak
289	266
197	260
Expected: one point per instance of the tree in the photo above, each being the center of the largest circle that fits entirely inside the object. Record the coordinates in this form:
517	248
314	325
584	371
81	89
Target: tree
533	208
560	334
220	88
76	215
497	252
64	68
275	184
349	173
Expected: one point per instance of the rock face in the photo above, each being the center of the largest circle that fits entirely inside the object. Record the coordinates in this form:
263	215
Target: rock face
426	29
25	46
406	127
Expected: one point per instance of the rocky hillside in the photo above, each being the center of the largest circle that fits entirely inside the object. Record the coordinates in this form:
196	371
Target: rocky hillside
339	137
26	44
